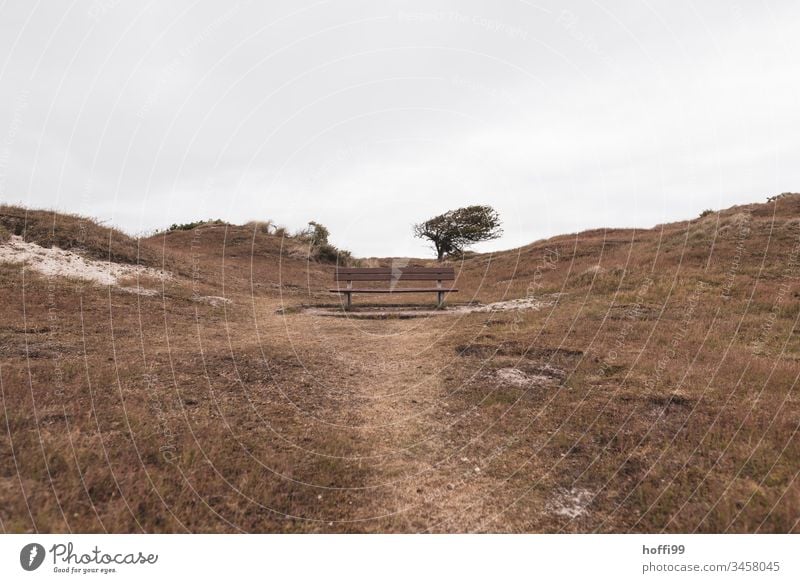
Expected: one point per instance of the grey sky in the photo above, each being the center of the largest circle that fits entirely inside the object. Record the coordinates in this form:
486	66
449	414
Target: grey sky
369	116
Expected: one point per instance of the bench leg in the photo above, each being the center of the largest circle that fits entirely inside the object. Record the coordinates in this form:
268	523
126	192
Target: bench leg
440	300
349	301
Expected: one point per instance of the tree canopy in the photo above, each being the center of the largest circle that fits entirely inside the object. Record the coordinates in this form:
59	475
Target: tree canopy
452	232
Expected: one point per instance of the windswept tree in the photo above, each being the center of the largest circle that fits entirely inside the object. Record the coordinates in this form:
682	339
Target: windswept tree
455	230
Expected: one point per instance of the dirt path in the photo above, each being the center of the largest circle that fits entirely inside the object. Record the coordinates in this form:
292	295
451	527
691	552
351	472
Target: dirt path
387	383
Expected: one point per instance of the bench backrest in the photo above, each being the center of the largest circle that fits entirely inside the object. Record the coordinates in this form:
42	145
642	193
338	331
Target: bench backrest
394	274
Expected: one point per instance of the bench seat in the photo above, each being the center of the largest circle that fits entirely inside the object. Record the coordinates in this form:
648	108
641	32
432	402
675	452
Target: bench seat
399	290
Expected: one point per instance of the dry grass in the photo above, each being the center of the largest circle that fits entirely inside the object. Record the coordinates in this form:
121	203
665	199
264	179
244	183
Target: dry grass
74	232
655	391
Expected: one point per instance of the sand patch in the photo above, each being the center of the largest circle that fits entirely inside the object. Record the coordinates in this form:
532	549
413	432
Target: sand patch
505	306
214	301
540	376
571	503
141	291
55	262
513	376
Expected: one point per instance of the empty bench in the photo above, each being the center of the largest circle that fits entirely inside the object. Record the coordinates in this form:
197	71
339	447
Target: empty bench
393	276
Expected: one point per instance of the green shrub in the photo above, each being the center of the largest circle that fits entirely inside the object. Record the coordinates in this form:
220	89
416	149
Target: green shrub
327	253
319	248
195	224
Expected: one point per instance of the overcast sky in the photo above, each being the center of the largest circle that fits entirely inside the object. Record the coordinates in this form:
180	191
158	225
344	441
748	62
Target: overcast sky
370	116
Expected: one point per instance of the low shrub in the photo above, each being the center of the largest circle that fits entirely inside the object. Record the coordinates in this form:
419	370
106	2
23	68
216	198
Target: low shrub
328	253
194	225
320	249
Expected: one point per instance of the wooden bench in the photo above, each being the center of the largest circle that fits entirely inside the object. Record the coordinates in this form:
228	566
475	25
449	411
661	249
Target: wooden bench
394	275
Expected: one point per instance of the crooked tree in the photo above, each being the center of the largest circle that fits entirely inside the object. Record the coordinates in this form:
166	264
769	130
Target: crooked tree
452	232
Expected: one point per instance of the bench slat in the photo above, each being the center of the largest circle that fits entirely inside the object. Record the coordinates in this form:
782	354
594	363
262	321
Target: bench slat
397	274
398	290
381	269
400	277
395	270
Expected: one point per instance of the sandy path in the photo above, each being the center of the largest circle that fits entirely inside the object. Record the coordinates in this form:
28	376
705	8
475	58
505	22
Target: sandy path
392	376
